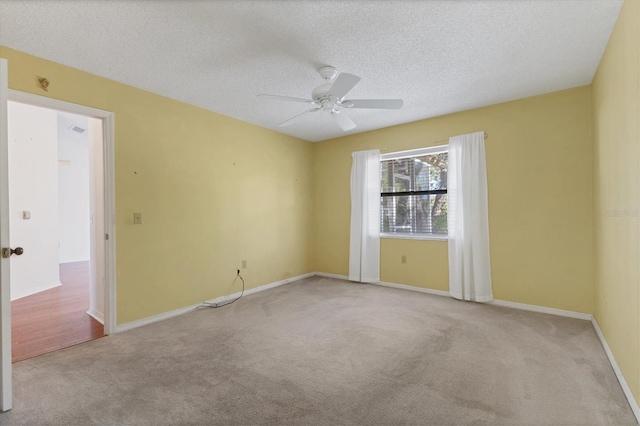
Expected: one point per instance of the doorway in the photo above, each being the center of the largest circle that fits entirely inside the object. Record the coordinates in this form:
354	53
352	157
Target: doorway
56	189
108	238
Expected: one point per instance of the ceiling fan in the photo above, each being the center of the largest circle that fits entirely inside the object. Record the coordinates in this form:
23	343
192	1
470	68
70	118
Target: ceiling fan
329	98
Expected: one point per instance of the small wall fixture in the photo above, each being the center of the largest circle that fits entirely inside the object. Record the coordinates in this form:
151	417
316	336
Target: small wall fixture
76	129
44	83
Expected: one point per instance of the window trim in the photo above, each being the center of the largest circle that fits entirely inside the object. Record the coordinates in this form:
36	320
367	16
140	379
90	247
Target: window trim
414	152
399	236
408	154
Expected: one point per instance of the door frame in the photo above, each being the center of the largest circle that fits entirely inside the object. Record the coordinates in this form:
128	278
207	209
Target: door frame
108	144
5	288
107	119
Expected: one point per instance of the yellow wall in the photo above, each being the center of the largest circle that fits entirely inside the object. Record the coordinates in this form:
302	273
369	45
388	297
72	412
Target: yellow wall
213	191
540	200
616	137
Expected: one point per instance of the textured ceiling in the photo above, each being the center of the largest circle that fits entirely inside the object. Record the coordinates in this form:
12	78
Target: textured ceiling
439	56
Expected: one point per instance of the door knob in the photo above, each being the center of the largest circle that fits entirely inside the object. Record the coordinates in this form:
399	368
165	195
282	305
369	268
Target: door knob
7	251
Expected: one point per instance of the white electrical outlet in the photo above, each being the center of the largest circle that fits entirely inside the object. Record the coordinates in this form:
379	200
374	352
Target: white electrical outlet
244	264
137	218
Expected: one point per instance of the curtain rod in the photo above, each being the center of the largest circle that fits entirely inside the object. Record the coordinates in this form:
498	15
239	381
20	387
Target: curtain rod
447	139
486	135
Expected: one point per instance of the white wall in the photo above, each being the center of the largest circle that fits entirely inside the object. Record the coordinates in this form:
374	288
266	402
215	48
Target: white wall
33	186
96	156
73	188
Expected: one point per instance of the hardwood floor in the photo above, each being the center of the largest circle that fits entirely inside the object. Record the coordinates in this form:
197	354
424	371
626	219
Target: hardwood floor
55	318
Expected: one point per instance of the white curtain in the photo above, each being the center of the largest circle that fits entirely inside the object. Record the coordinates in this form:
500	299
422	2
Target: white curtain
468	219
364	250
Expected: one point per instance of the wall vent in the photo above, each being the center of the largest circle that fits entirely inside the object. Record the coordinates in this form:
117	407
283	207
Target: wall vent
77	129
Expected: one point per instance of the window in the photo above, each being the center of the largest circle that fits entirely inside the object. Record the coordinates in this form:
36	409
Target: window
414	194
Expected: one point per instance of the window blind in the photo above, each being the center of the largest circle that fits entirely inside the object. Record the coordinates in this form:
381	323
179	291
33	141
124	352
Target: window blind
414	194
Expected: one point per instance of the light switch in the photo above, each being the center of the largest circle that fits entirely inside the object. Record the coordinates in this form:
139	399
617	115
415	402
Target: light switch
137	218
26	214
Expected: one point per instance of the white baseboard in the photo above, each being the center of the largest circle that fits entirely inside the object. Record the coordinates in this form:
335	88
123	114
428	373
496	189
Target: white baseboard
266	287
386	284
623	383
166	315
154	318
504	303
412	288
74	261
334	276
39	289
541	309
98	316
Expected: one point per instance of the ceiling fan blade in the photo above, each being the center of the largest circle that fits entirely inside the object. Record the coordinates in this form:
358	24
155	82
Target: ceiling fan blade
373	103
343	84
295	117
287	98
343	120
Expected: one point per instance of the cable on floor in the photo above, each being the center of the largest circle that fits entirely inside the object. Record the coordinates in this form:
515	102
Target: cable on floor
216	305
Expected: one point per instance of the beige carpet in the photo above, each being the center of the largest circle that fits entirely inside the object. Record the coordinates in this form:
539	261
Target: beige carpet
328	352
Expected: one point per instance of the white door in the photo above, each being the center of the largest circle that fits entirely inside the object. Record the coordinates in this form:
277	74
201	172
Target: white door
5	285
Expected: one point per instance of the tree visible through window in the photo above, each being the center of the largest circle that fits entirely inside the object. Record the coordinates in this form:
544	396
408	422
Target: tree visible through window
414	195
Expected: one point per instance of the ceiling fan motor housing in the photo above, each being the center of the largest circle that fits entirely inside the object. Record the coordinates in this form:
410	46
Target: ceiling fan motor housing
321	93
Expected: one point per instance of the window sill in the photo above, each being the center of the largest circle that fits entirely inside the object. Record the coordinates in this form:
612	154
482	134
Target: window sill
415	237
